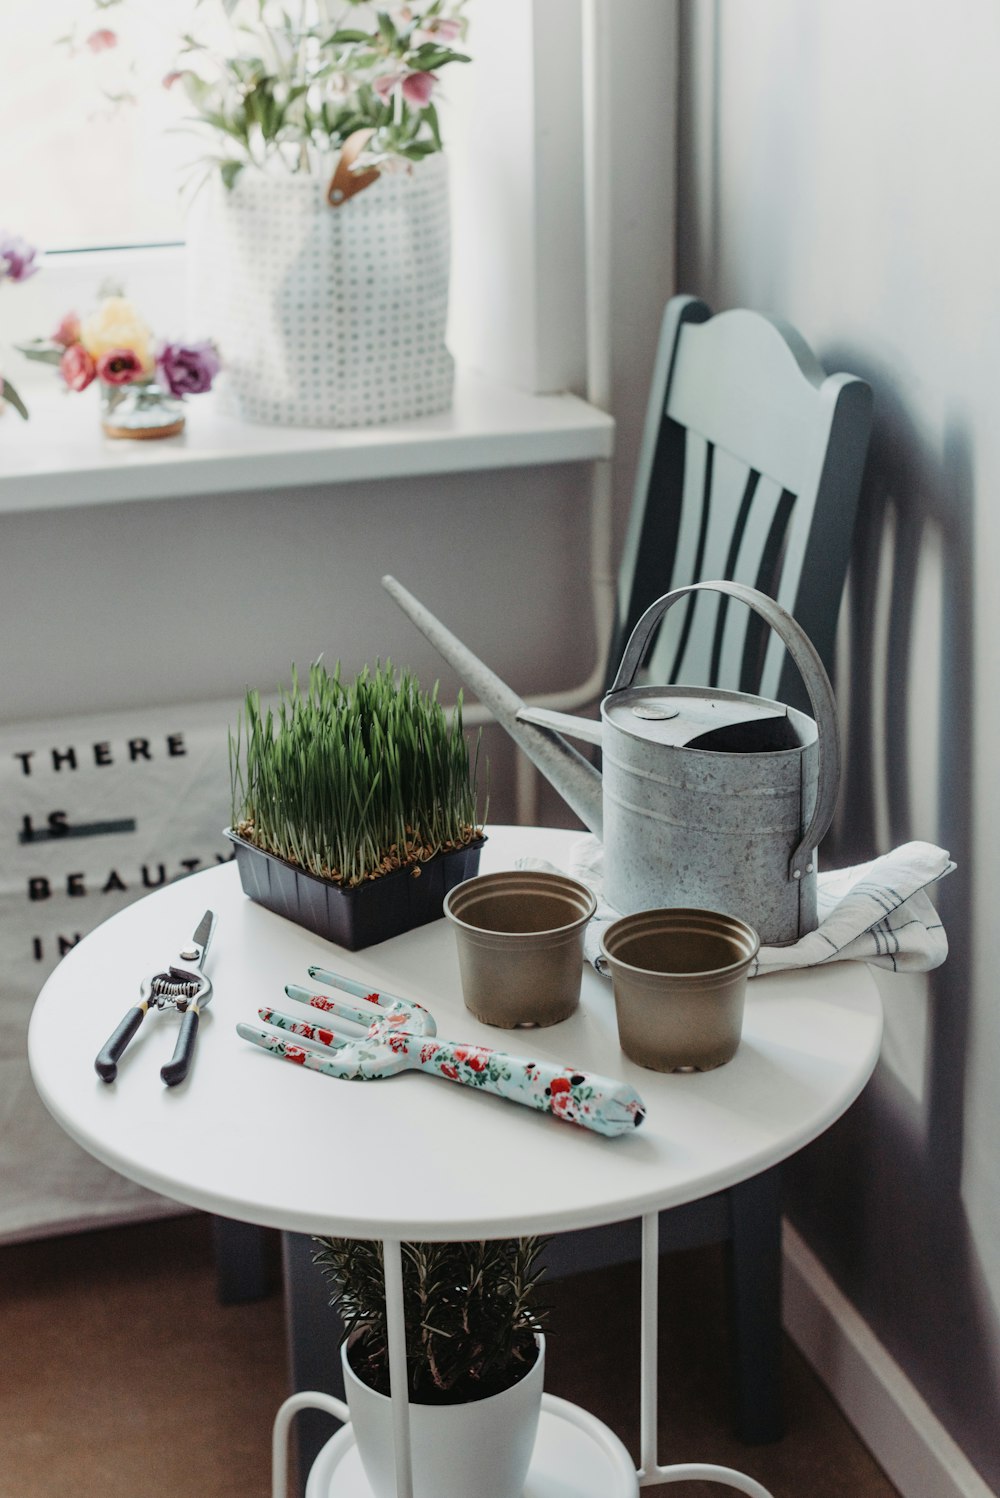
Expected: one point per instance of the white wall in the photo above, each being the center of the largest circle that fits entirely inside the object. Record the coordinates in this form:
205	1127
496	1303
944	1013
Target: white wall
838	168
194	599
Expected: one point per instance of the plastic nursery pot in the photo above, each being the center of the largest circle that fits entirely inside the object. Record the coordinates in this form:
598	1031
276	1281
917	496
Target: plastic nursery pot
482	1448
520	945
679	979
360	916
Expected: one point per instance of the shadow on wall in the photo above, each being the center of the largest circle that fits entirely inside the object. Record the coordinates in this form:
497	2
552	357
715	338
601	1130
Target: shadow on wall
880	1195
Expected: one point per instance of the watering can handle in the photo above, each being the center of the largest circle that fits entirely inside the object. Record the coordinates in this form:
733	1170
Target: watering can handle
817	684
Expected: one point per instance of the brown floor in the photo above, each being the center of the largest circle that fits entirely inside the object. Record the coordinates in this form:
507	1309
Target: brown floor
121	1377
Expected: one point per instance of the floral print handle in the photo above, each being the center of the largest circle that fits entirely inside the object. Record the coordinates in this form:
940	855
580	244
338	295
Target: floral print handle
593	1102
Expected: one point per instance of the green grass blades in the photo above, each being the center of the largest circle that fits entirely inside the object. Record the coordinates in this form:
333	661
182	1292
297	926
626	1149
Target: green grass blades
353	781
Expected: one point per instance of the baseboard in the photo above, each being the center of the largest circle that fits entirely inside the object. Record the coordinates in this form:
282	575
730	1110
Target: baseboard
901	1431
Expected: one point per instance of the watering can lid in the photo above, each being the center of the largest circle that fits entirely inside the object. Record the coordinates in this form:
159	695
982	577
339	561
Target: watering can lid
680	716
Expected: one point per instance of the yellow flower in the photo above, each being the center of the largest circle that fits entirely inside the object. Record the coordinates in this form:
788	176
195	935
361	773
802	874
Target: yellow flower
116	324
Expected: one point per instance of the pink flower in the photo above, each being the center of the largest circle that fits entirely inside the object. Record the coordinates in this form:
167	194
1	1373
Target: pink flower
384	86
439	30
417	88
119	366
68	331
77	367
172	78
102	41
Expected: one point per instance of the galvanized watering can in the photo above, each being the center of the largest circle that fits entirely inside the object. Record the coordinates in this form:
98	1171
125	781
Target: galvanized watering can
710	799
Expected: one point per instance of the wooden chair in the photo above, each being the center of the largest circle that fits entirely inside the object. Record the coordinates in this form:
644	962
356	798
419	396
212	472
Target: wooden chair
750	469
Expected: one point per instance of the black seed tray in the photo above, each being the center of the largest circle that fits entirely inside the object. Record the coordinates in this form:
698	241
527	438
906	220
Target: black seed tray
358	917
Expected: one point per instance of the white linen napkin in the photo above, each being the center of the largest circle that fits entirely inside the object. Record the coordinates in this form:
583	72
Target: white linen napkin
877	912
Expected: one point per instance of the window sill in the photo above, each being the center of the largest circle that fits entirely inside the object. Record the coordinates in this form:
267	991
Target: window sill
59	458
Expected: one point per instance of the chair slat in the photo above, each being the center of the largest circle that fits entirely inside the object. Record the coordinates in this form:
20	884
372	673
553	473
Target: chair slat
669	647
748	566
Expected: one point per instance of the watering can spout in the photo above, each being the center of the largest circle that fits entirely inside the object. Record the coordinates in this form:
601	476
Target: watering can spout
574	778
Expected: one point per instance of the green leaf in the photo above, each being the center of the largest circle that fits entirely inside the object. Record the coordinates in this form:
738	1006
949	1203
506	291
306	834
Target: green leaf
431	116
387	28
417	150
229	170
342	38
41	351
10	395
428	57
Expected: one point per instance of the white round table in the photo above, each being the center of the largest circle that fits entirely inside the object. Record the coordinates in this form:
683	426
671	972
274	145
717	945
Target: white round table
258	1140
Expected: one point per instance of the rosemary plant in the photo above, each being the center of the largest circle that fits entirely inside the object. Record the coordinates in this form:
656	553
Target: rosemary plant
350	782
470	1311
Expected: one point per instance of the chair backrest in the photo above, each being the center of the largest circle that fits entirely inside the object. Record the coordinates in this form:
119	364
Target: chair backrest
750	469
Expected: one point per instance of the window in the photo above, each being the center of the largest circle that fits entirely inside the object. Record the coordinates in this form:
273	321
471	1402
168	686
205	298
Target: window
78	171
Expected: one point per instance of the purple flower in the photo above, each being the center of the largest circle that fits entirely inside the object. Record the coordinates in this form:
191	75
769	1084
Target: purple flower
188	368
17	257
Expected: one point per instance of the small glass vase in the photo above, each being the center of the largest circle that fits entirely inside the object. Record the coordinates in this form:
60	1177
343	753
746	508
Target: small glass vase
140	411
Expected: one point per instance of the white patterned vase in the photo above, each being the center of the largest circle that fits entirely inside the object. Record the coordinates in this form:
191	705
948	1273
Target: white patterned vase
323	316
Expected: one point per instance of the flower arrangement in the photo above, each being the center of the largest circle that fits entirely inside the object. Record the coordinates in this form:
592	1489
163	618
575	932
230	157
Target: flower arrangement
470	1312
274	84
18	262
352	782
116	347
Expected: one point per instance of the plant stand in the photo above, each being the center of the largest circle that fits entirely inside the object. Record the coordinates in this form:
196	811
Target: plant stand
574	1452
573	1448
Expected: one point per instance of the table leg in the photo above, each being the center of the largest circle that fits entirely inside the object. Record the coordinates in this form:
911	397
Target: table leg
396	1336
650	1471
649	1332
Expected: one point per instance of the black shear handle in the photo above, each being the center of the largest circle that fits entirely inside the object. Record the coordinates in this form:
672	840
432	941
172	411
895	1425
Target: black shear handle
176	1068
106	1064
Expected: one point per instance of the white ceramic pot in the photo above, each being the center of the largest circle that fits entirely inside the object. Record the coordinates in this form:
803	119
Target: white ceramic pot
459	1450
325	317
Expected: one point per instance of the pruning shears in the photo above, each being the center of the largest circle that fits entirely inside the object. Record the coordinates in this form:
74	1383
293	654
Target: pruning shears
182	986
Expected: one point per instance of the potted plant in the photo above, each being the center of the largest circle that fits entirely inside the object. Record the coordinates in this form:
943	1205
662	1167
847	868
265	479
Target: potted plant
142	382
319	246
354	807
475	1358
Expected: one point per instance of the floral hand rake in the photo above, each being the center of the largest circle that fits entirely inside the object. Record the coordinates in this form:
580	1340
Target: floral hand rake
401	1036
